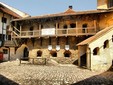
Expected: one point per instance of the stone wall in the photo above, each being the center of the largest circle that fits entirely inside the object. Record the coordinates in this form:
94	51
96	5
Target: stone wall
60	58
103	60
105	20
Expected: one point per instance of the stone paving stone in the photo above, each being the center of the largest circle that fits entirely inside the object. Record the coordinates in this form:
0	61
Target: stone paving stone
26	74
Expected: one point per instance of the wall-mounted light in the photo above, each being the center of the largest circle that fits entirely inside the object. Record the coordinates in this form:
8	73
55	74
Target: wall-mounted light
66	47
49	47
57	47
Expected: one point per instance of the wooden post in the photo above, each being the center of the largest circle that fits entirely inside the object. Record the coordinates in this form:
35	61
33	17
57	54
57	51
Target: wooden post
39	29
56	29
20	29
76	27
95	25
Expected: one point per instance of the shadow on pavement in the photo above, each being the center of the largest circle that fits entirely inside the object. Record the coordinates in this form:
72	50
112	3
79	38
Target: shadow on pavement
105	78
6	81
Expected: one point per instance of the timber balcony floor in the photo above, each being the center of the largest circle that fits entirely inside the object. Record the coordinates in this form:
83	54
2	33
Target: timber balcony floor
13	74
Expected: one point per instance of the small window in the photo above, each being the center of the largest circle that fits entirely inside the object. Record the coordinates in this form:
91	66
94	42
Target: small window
96	51
5	51
4	20
106	44
73	25
84	26
58	25
39	53
67	53
31	28
65	26
53	53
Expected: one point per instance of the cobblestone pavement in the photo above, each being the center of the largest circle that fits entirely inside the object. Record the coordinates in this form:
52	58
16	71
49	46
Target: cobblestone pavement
26	74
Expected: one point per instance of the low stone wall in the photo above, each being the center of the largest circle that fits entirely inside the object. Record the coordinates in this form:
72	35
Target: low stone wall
60	58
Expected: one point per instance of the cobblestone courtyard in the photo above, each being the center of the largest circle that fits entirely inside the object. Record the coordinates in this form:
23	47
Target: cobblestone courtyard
13	74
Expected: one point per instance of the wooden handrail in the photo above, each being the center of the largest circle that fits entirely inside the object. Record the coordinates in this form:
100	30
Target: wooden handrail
15	33
16	29
59	32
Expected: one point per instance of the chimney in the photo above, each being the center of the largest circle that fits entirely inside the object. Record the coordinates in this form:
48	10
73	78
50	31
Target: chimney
70	7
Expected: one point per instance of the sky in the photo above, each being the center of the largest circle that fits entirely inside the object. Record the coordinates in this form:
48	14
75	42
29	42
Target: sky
42	7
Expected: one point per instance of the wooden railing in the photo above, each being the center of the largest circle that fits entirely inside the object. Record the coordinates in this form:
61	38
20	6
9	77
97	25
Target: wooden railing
58	32
16	31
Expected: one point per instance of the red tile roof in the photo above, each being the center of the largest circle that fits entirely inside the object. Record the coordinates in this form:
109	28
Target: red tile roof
9	12
12	11
68	12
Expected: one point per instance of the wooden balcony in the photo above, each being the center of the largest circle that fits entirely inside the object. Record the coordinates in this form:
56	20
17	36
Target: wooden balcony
55	32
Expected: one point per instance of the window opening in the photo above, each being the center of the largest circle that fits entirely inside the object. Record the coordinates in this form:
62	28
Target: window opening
39	53
4	20
106	44
65	26
96	51
31	29
84	26
53	53
67	53
73	25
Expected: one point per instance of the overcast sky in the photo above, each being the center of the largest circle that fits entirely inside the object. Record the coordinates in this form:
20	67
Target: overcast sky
41	7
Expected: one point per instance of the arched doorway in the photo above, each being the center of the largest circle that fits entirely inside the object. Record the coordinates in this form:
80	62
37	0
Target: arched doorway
25	53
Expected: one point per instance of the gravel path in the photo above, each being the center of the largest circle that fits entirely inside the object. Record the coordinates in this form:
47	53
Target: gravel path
13	74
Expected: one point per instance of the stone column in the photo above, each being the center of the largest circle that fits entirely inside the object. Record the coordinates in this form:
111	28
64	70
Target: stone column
79	56
20	30
88	58
76	27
